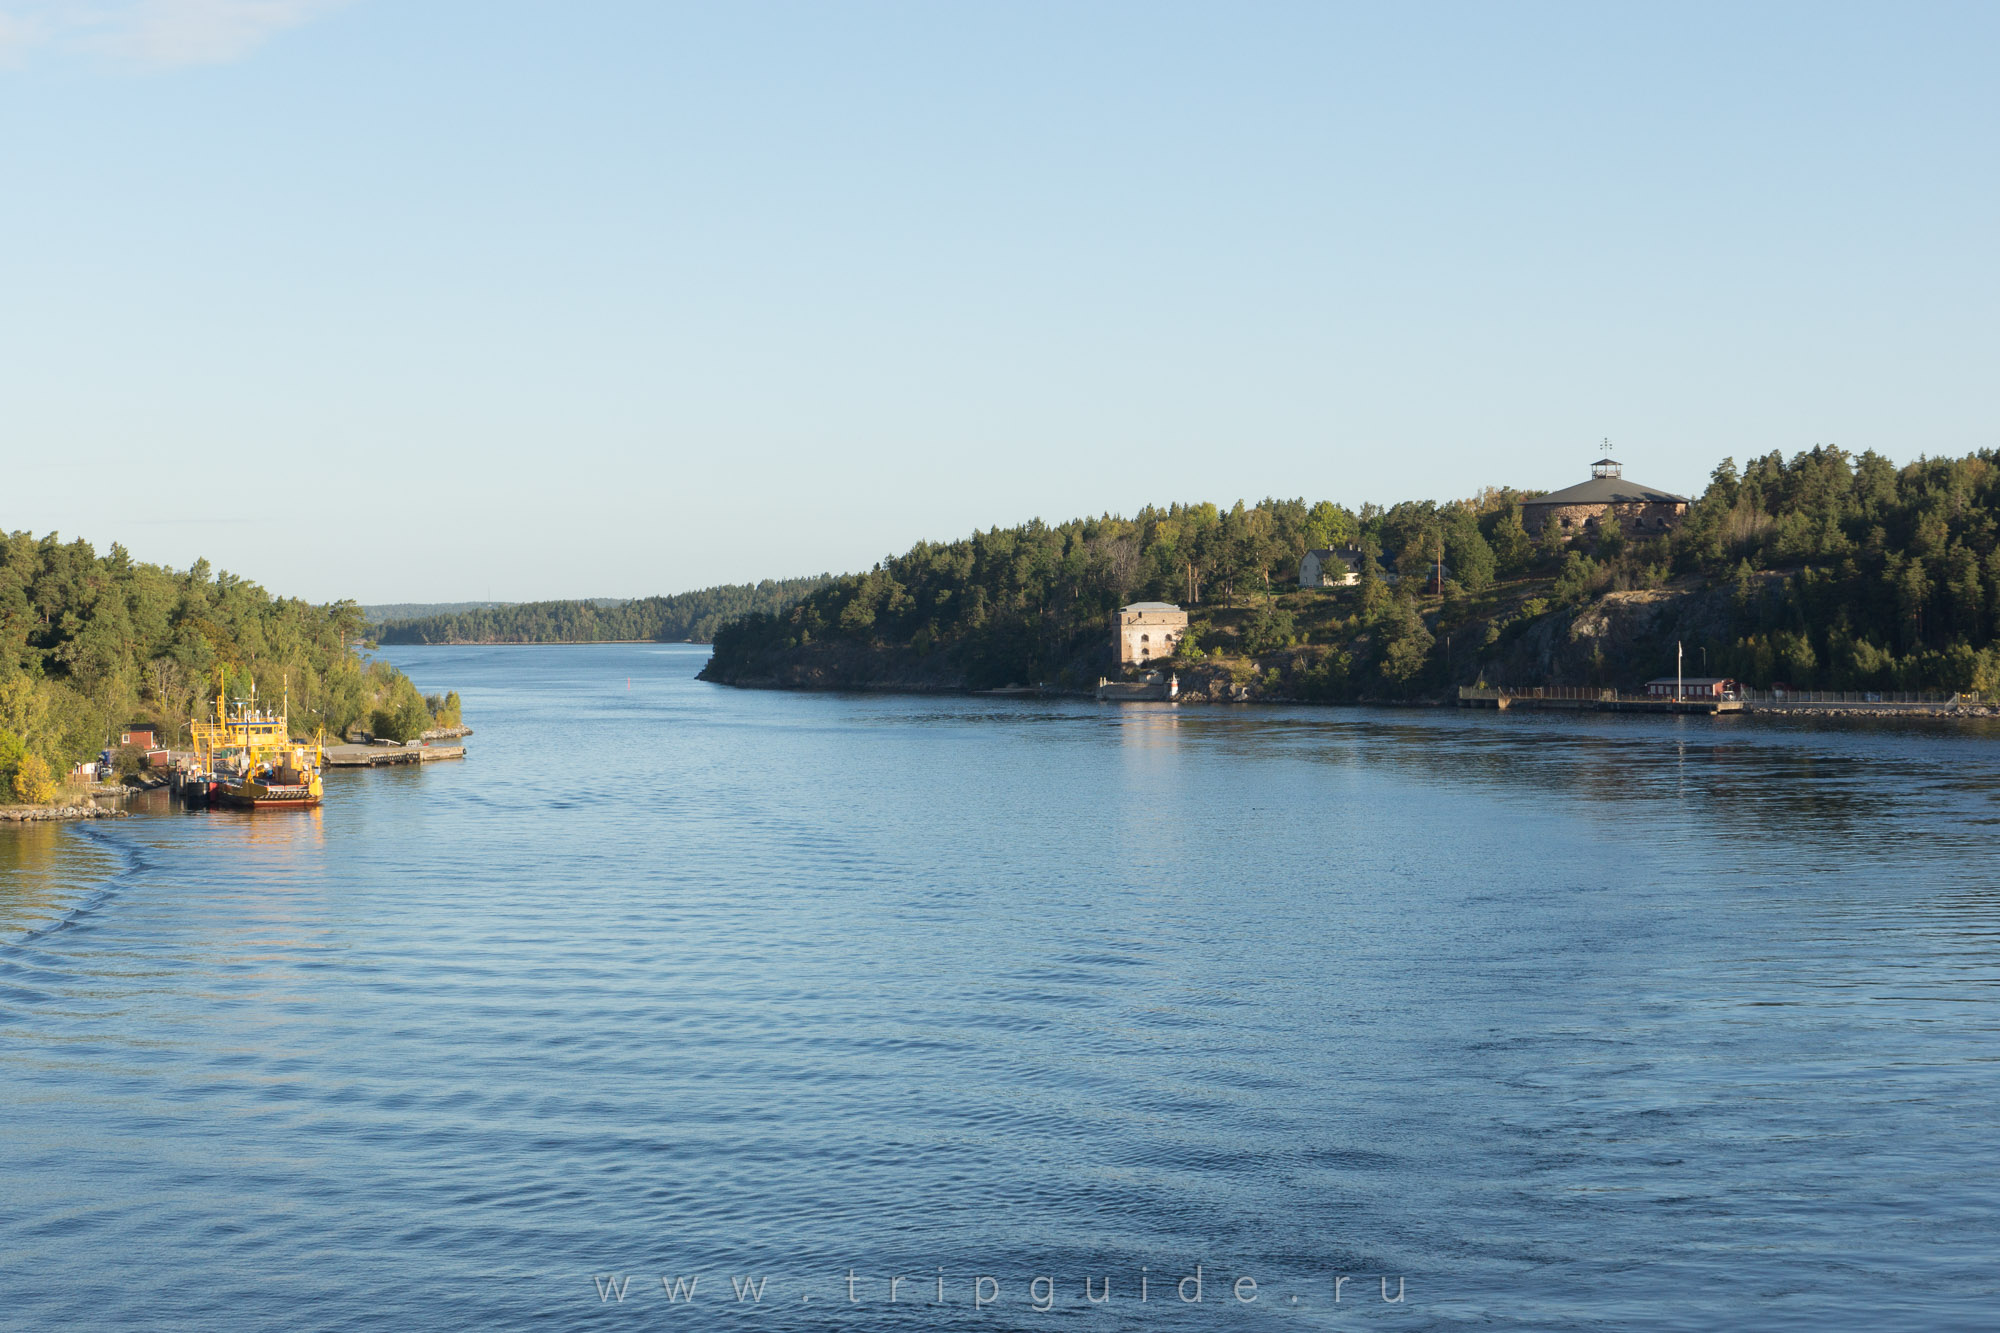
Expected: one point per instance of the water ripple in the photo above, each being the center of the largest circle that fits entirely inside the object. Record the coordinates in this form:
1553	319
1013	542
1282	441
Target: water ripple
1568	1022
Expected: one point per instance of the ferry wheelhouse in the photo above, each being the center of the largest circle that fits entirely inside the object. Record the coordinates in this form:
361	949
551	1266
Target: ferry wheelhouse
246	757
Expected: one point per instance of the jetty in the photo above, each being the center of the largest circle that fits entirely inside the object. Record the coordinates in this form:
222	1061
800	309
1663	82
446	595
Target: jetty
1578	698
1153	686
381	755
1821	703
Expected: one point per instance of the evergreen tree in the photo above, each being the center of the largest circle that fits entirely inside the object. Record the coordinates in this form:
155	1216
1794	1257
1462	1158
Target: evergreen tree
1511	545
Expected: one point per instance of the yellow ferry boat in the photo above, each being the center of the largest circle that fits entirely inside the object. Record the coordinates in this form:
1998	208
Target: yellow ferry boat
247	758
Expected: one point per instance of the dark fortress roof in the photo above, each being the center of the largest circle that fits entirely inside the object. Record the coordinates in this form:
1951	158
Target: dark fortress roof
1605	491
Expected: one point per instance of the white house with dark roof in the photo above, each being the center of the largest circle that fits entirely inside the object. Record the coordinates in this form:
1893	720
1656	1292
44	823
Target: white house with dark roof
1337	567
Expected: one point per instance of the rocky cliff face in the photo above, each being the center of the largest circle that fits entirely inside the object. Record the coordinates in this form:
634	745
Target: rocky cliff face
1622	637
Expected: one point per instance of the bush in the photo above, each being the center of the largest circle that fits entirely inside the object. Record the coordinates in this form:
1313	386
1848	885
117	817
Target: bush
1610	535
1469	557
34	784
1271	630
406	720
1574	583
399	712
1327	678
1408	646
1512	547
12	751
127	761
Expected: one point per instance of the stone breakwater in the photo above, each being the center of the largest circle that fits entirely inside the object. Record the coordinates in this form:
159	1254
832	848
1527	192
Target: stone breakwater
43	814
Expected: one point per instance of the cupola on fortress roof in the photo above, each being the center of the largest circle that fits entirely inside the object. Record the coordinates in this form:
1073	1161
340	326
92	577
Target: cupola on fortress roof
1582	509
1607	486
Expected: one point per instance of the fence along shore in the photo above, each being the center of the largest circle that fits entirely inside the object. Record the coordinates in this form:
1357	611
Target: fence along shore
1599	699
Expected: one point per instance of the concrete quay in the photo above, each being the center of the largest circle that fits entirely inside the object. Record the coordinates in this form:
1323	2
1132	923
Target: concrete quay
379	756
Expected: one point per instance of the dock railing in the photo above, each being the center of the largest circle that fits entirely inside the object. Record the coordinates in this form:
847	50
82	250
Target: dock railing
1597	694
1580	693
1931	698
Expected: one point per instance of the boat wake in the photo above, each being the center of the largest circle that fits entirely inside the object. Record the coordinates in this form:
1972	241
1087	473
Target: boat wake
132	862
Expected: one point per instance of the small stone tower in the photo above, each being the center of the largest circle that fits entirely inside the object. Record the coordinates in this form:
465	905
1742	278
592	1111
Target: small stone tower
1148	631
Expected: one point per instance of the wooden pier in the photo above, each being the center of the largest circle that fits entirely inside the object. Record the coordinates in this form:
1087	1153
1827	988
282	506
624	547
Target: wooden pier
1587	699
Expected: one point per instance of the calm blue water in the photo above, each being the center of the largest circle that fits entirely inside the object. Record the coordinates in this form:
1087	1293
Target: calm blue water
1561	1023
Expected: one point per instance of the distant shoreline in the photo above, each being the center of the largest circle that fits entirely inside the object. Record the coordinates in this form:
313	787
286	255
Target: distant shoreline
687	617
1791	712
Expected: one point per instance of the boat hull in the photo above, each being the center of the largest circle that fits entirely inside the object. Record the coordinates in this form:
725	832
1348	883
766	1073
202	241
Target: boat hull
257	796
194	789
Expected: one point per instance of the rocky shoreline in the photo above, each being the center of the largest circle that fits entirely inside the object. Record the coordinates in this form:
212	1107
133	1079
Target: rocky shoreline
49	814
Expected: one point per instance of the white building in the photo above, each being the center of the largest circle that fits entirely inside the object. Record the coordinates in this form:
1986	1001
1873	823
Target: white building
1336	567
1325	569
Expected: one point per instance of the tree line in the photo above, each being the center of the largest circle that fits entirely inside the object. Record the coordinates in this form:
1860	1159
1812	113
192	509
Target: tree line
688	617
1844	571
1827	570
1018	604
90	642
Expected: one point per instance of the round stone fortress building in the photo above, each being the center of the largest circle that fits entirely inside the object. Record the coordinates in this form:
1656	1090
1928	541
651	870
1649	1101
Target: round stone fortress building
1642	510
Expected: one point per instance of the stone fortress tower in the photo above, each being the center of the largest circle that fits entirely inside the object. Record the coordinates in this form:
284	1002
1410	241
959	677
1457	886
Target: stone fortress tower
1578	509
1148	631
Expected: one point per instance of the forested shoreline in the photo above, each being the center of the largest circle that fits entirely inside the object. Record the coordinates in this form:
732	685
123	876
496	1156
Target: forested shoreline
679	618
1828	570
90	642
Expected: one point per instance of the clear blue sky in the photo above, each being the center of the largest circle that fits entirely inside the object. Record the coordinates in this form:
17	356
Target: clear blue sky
634	297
